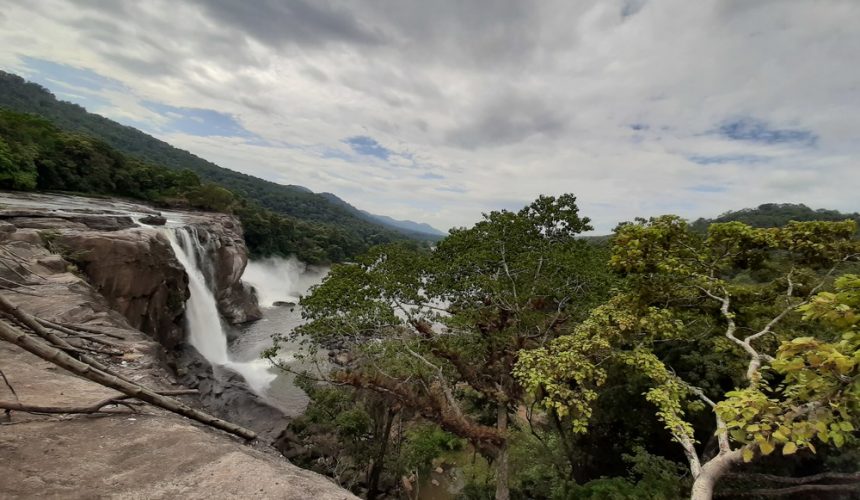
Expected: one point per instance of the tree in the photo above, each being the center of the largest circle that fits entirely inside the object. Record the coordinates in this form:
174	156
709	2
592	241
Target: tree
735	291
16	171
440	331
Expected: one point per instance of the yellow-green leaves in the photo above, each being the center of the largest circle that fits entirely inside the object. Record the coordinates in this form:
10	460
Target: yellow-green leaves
789	448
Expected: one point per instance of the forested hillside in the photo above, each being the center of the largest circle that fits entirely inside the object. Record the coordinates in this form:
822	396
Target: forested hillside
35	154
776	215
19	95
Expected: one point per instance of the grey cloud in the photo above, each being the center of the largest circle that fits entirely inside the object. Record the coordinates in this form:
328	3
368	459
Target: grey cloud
276	22
508	120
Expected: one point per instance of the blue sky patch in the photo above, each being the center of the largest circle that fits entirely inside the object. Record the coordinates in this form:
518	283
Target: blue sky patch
42	70
197	121
368	146
753	130
431	176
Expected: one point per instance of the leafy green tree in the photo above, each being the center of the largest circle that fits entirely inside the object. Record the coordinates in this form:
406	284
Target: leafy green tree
16	171
735	291
440	332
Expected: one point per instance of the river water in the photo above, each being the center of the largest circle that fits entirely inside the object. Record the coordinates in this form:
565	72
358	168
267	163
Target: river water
285	281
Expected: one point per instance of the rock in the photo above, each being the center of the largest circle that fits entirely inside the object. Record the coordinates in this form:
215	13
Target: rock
222	238
105	223
154	220
225	393
7	228
54	263
136	271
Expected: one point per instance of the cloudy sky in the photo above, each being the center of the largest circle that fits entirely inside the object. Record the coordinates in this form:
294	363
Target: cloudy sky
438	111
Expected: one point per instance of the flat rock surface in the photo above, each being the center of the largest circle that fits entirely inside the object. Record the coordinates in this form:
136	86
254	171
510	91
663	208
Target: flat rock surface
151	454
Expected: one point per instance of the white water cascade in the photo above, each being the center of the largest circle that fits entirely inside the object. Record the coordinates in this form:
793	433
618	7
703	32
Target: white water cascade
205	329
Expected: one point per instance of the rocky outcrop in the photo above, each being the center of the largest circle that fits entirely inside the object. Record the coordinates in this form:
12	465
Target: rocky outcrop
221	237
148	454
134	267
136	271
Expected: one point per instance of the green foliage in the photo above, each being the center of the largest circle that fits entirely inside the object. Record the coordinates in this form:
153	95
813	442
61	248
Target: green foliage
440	331
424	444
818	394
774	215
732	291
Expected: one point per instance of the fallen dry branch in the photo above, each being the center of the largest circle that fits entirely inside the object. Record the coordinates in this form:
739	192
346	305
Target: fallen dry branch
80	334
90	372
31	323
86	410
82	328
90	409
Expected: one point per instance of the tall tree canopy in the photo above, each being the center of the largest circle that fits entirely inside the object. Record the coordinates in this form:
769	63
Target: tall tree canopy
440	331
712	321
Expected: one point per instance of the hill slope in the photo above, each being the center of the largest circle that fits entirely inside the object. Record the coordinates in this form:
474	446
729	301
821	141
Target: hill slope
776	215
19	95
419	229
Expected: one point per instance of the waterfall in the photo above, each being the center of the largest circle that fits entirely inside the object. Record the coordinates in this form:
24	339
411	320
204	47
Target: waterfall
203	321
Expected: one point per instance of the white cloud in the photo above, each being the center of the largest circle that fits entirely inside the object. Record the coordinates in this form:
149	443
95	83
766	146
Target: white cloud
504	100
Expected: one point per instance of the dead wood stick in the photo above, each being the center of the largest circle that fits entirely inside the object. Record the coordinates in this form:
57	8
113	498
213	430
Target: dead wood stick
15	290
63	360
22	262
82	328
7	266
31	323
81	334
94	408
13	282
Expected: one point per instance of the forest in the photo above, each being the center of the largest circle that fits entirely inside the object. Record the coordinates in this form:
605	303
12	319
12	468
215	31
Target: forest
37	155
345	222
526	362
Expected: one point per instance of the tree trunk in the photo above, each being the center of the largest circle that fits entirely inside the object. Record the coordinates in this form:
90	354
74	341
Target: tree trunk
379	459
712	472
502	491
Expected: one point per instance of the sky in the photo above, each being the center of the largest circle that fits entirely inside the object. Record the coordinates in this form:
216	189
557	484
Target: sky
441	111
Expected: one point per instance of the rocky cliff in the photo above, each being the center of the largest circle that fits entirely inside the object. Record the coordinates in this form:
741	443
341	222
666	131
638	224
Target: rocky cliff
54	267
133	266
221	237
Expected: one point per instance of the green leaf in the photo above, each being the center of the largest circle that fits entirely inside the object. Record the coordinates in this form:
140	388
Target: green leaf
789	448
766	447
747	454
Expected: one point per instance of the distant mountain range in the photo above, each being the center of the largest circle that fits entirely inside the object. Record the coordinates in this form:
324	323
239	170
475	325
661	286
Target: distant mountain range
297	201
405	225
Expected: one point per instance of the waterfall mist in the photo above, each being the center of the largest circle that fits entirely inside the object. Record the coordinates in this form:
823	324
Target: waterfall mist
278	279
205	330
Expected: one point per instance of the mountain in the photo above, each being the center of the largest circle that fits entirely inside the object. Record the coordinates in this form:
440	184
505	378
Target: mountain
776	215
19	95
407	226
